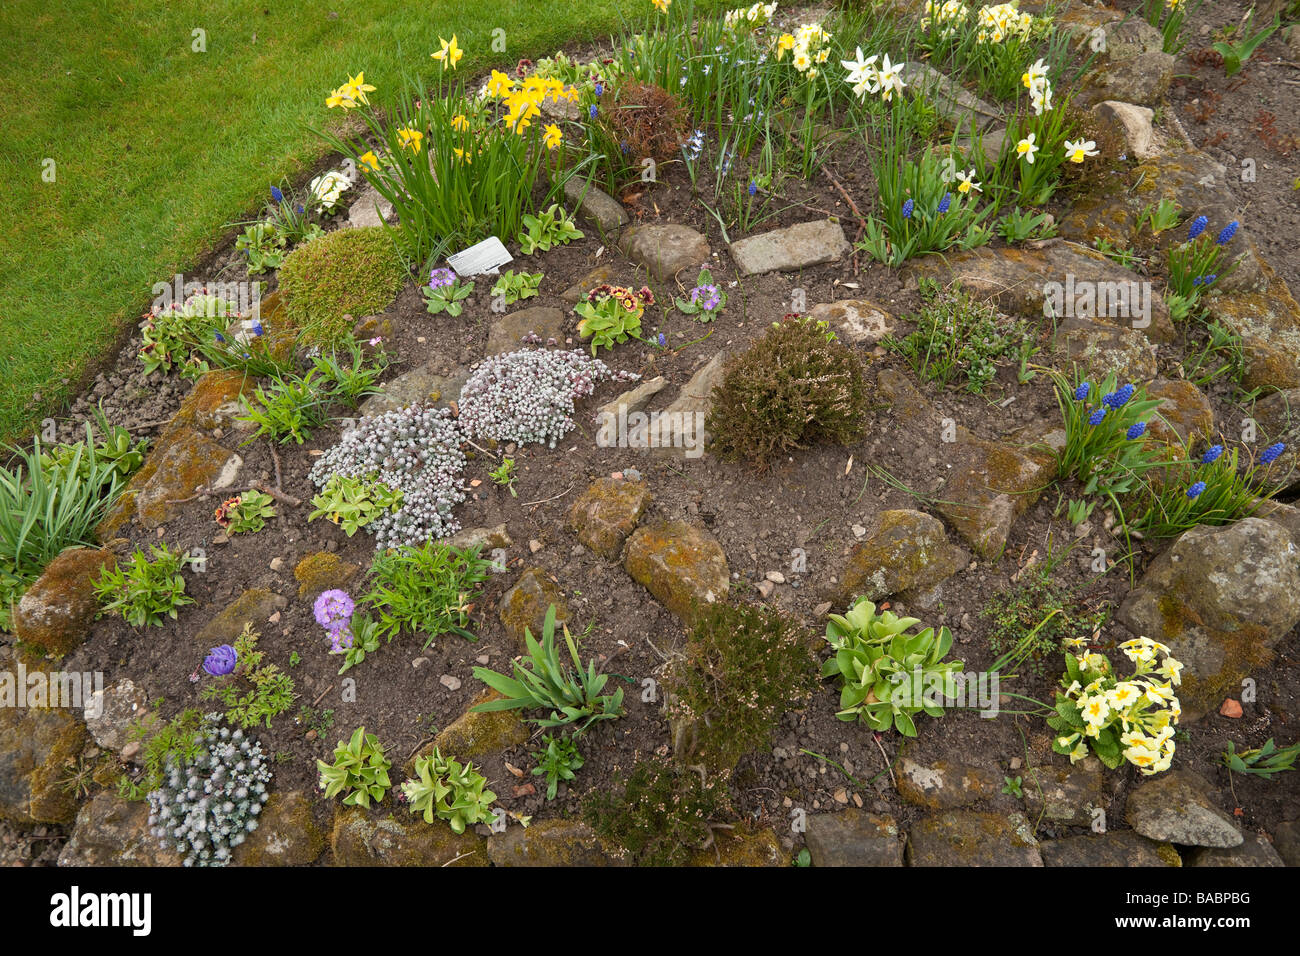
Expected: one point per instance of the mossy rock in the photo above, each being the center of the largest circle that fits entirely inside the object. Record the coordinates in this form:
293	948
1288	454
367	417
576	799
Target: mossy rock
55	614
969	838
36	746
941	784
607	513
111	831
361	839
186	463
323	571
252	607
213	402
743	846
1184	413
287	834
553	843
989	486
1113	848
680	564
906	550
525	605
348	272
472	736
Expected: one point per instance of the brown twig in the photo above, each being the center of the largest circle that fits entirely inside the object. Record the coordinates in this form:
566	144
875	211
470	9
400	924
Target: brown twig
543	501
862	222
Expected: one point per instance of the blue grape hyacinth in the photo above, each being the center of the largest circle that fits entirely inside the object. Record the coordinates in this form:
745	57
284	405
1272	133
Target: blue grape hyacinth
1081	393
1096	417
1211	454
1136	431
1272	453
1198	227
1119	397
1229	231
945	203
1196	489
908	206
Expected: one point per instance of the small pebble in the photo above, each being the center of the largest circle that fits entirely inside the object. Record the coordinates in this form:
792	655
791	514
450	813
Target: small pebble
449	682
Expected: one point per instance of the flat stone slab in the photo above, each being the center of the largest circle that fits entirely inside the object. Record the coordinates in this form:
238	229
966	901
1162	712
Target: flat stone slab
1175	807
664	248
1114	848
680	564
857	321
967	838
854	837
950	99
508	331
595	205
792	248
1254	850
420	385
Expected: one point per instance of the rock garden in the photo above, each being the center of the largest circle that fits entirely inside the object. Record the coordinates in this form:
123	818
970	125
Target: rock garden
855	435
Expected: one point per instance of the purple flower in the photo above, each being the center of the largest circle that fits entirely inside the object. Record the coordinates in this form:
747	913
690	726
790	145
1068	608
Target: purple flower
1229	231
276	194
441	278
1082	391
1271	453
220	337
944	203
256	328
1135	431
333	610
1211	454
663	340
300	209
1198	227
1095	418
907	209
220	660
1196	489
600	88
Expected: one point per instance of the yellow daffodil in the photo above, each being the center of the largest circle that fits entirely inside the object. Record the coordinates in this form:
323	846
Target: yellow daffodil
450	53
344	96
784	44
553	137
1034	75
360	87
1075	152
459	122
411	138
369	160
662	5
461	155
499	84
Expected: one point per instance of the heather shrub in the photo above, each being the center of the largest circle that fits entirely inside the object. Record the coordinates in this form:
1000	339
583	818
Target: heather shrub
795	386
648	120
347	272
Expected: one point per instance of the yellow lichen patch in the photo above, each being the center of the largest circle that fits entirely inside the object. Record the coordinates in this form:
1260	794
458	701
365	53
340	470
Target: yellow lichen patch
473	735
323	571
359	839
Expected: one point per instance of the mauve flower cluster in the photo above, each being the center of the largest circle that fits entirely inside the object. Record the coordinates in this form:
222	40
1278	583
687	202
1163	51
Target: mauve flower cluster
415	450
333	610
206	807
528	396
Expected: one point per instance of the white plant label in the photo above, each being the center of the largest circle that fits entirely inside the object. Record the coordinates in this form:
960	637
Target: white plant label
483	258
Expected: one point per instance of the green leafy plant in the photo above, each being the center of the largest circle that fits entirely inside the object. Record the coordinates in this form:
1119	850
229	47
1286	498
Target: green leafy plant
249	513
543	682
802	859
270	690
1194	266
1236	54
552	227
1168	16
147	589
1262	762
320	721
168	334
504	475
1017	226
1209	490
352	503
446	790
264	245
795	386
612	314
887	675
559	761
1161	217
705	301
289	409
958	335
179	739
445	292
365	640
512	287
359	771
1011	786
428	589
744	668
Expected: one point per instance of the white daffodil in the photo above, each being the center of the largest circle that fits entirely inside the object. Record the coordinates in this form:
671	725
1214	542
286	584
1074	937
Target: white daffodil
966	183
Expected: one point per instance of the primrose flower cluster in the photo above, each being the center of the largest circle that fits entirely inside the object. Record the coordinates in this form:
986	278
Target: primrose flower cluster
1120	720
1002	21
756	16
945	19
808	46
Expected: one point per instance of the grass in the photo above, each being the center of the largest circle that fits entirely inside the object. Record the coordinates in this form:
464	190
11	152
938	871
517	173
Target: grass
156	147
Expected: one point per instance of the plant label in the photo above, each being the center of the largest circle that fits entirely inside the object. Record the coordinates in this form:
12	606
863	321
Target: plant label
483	258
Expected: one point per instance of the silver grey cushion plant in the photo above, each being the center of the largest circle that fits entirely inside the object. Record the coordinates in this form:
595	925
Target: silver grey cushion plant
207	806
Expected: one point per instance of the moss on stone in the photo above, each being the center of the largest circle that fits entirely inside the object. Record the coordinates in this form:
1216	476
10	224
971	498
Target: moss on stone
323	571
287	834
359	839
472	735
525	605
56	612
348	272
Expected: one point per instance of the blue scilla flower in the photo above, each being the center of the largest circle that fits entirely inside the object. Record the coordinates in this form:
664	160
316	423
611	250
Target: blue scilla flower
220	338
1229	231
663	340
1271	453
1136	431
1095	418
300	209
1211	454
945	203
1198	227
1196	489
276	194
908	206
1082	391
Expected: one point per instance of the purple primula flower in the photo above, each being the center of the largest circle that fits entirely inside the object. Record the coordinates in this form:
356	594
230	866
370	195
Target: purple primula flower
1229	231
1136	431
1198	227
1196	489
441	278
220	661
333	610
1271	453
1211	454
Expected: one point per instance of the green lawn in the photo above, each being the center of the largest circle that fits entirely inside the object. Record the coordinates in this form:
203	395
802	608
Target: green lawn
157	147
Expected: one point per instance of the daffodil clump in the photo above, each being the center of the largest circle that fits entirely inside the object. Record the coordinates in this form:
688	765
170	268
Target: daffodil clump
946	19
1001	22
1037	142
457	167
808	48
1119	720
760	14
865	76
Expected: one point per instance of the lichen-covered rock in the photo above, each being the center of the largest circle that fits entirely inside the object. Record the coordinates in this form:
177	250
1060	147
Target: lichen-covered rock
1133	123
213	402
791	248
854	837
524	606
680	431
593	204
1067	793
508	331
858	321
420	385
55	614
473	736
601	275
113	832
906	550
1100	348
36	746
940	783
607	513
952	101
286	834
111	711
1253	850
968	838
360	839
552	843
742	847
1113	848
664	248
1268	322
680	564
989	486
252	607
1286	840
323	571
1184	413
1220	598
189	461
1132	65
486	540
1176	807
